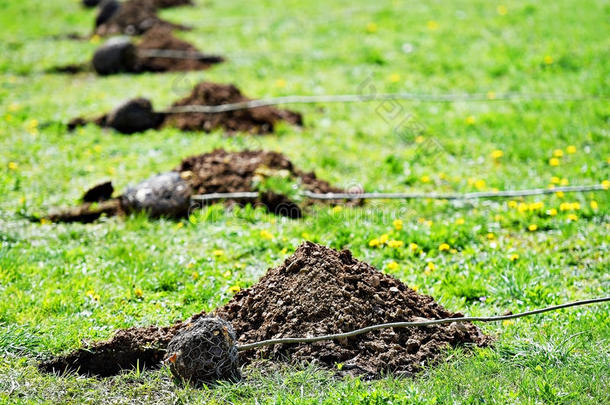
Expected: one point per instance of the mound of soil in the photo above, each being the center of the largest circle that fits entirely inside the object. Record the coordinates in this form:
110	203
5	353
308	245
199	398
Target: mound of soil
133	17
168	194
316	291
158	51
157	3
183	55
258	120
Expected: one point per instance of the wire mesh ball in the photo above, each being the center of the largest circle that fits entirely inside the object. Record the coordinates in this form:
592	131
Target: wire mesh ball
204	352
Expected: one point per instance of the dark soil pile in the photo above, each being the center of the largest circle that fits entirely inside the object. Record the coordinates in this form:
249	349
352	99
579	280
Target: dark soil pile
158	51
258	120
255	121
221	171
157	3
167	194
316	291
132	17
185	55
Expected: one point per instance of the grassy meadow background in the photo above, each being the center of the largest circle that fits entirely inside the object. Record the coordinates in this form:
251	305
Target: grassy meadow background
61	284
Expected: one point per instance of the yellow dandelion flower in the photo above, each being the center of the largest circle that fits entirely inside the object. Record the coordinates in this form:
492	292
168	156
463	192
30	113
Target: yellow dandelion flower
195	275
512	204
12	165
419	139
45	221
554	162
394	78
507	322
395	243
593	204
413	246
392	265
443	247
138	293
95	39
90	293
432	25
374	243
497	154
572	217
479	184
565	206
284	251
471	120
606	184
371	27
431	266
265	234
575	206
514	257
552	212
548	59
522	207
398	224
218	252
460	221
227	274
491	236
384	238
425	179
337	209
560	194
501	9
414	287
555	180
532	228
558	153
234	289
571	149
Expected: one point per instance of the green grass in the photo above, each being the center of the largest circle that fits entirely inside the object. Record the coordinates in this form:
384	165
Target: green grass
60	284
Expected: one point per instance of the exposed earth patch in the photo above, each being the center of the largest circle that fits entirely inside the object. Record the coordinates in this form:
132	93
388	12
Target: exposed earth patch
132	17
168	194
316	291
138	115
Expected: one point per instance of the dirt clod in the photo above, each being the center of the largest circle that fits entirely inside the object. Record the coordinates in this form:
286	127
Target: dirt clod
315	291
258	120
99	193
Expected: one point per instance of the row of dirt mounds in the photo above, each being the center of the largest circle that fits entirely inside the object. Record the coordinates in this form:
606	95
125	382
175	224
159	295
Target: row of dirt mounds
132	17
157	51
168	194
315	291
138	115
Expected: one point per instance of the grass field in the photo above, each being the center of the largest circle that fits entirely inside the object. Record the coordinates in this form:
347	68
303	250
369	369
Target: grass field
60	284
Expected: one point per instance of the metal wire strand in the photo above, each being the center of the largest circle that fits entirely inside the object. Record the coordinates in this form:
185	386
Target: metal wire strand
360	98
425	322
412	196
